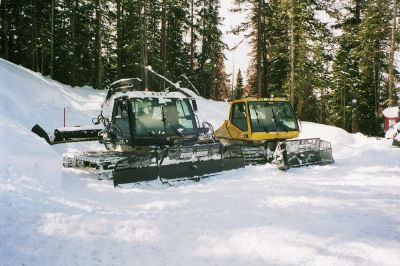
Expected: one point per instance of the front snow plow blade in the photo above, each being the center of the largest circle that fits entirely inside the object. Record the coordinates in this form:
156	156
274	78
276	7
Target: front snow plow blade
68	134
178	163
302	152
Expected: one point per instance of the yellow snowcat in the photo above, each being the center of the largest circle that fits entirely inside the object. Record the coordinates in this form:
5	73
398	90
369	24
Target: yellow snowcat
267	129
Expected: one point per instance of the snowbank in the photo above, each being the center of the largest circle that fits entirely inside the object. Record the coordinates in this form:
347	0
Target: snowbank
391	112
341	214
30	98
27	98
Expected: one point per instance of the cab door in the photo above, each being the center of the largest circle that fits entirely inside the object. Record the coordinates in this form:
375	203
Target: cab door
238	123
121	121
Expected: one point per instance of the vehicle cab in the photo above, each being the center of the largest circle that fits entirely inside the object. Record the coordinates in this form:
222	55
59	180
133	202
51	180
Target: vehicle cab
137	117
259	119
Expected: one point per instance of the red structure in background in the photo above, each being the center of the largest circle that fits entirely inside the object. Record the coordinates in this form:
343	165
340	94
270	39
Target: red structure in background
392	116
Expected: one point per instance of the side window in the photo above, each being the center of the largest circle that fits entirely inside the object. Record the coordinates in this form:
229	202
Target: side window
239	116
121	118
184	115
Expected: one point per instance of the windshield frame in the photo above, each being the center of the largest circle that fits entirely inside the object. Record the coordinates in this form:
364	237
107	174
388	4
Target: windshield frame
265	128
165	131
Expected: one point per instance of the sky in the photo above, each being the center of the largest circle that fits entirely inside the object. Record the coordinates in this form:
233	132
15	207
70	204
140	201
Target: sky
239	58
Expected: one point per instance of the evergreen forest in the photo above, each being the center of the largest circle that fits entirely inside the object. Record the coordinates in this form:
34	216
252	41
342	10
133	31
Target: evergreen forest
339	71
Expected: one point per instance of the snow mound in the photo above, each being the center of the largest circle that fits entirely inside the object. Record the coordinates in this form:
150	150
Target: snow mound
335	135
340	214
27	98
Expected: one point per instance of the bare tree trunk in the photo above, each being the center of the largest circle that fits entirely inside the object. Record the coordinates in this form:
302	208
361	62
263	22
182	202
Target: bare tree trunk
191	37
292	57
300	105
321	119
42	60
35	58
145	55
265	91
97	68
143	37
119	39
52	41
344	107
259	48
377	67
73	21
164	39
358	11
5	29
32	41
391	55
204	61
140	7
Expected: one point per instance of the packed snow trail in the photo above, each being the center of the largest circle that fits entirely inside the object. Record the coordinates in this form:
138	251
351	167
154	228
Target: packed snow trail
341	214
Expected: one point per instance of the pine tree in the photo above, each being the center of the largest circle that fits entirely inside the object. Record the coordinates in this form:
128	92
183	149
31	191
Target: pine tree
359	68
130	42
94	42
177	51
98	46
210	74
291	63
346	75
308	58
257	72
238	92
373	34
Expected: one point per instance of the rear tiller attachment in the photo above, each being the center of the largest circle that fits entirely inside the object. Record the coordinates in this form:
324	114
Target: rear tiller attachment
302	152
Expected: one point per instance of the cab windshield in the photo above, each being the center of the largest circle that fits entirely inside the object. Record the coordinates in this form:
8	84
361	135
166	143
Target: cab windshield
272	117
163	116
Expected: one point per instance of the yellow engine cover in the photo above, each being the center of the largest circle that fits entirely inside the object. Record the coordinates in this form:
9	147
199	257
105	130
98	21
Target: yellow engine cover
230	131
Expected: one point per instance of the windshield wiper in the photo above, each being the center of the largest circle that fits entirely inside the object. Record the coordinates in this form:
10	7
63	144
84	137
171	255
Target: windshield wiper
283	126
258	120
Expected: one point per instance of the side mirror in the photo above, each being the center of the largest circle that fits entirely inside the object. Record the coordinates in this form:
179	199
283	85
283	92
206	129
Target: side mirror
194	104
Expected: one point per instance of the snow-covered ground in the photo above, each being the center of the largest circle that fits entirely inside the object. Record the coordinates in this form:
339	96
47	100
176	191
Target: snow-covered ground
342	214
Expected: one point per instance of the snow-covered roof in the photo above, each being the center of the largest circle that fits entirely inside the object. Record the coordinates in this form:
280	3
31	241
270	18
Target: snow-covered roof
107	107
149	94
391	112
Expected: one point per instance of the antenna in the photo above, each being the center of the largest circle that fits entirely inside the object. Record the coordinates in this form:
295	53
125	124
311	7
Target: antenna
175	85
190	83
